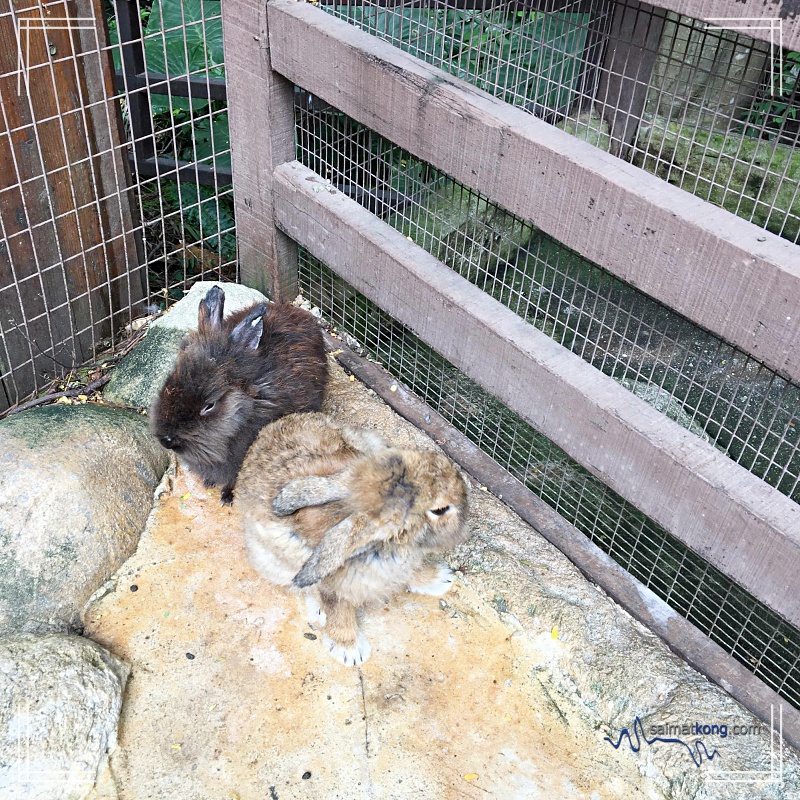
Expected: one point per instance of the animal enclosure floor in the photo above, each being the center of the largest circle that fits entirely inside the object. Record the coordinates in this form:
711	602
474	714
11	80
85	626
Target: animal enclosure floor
493	691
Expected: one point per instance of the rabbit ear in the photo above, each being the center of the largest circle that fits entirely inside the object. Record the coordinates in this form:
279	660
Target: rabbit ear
310	490
249	331
328	555
209	314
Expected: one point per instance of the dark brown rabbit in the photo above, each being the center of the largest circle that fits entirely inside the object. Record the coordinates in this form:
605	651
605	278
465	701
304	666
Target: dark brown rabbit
233	376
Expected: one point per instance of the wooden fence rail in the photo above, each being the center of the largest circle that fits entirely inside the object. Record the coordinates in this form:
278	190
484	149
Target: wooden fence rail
696	258
733	519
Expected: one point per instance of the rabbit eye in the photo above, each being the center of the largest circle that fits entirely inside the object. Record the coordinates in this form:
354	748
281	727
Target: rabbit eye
440	512
207	409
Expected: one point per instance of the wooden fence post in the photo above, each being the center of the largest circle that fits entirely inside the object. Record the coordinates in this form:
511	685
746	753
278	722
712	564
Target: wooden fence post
630	55
261	116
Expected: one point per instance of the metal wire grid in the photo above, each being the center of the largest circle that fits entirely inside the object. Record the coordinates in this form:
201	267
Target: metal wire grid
688	103
177	131
65	309
57	304
720	393
730	616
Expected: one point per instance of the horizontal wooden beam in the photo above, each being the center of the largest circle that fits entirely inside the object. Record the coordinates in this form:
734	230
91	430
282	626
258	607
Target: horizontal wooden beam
720	271
186	171
731	518
198	87
754	18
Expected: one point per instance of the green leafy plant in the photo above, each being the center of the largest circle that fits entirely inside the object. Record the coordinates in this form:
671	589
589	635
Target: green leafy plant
524	57
194	233
771	113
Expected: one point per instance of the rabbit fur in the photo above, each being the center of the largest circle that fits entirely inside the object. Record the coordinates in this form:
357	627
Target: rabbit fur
233	376
337	513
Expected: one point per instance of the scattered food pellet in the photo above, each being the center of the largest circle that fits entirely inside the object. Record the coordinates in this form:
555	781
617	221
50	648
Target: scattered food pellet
176	747
83	398
554	632
190	656
186	496
352	377
471	776
393	387
134	588
311	636
306	776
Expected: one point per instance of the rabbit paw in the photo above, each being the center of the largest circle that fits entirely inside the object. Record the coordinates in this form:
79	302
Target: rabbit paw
351	655
314	612
440	585
226	496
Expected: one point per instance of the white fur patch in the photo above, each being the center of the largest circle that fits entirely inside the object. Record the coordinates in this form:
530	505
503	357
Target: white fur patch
440	585
274	551
350	655
364	440
314	613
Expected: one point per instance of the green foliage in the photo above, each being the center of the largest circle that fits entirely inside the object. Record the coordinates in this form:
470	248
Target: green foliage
773	110
206	218
184	37
196	231
523	57
749	177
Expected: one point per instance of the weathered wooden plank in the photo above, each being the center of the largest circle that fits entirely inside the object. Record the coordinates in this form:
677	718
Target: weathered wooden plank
753	18
630	54
681	636
69	265
698	259
731	518
36	318
261	116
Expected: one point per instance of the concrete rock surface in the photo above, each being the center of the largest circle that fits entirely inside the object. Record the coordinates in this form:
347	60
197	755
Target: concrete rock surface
136	380
76	488
60	698
504	688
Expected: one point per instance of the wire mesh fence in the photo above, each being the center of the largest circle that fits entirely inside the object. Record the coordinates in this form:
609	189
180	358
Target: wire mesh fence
168	62
709	387
114	175
67	241
745	628
712	111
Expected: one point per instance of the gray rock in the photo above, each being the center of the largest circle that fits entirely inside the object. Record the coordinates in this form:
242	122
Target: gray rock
76	487
60	699
138	377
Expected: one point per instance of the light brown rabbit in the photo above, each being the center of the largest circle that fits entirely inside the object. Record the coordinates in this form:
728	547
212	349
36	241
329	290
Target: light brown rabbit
336	512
